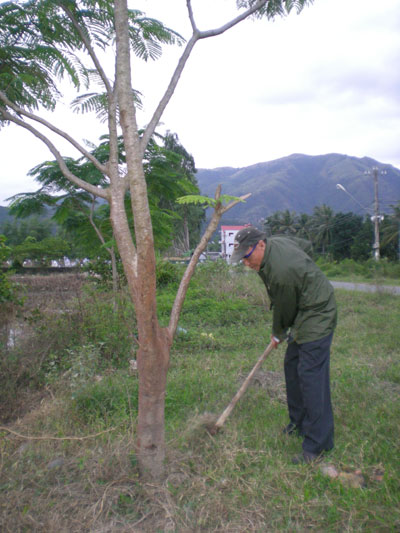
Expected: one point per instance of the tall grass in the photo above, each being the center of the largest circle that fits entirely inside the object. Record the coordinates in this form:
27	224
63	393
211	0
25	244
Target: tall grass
239	480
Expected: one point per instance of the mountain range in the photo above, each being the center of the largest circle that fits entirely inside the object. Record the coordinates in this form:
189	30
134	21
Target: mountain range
301	182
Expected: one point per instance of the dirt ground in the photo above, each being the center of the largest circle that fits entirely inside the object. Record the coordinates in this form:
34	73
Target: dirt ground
47	291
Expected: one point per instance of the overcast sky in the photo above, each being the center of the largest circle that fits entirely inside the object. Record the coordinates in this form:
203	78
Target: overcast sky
326	80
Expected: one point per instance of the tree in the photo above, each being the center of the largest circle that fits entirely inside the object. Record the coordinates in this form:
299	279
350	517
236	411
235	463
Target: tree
55	38
345	228
16	231
303	224
361	248
282	222
391	233
322	227
41	252
187	227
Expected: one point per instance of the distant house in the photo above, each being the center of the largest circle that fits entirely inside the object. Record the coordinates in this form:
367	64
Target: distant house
227	237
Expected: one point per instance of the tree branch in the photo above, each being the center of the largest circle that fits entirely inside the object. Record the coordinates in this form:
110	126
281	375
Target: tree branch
191	16
92	189
182	61
94	226
75	144
50	437
219	210
150	128
233	22
111	97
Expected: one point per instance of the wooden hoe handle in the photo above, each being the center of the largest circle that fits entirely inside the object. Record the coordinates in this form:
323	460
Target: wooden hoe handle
221	420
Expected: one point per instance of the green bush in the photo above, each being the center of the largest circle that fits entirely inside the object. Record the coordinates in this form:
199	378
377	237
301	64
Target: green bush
8	290
167	273
99	270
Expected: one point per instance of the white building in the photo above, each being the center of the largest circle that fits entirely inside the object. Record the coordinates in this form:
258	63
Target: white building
227	237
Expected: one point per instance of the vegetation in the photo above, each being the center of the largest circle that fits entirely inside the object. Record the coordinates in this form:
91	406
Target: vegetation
7	288
338	236
241	479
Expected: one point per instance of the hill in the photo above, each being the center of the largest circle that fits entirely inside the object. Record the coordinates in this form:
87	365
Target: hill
300	182
4	216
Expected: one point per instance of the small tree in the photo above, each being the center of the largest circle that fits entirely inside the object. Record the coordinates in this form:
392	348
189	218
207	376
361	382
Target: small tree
45	39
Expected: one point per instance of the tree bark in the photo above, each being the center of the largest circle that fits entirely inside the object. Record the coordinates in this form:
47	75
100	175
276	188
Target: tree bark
154	341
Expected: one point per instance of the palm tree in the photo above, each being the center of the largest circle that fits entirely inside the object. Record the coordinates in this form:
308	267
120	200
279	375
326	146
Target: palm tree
391	229
322	226
303	224
282	222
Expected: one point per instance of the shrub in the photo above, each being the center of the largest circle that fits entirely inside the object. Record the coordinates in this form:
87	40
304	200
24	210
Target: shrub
167	273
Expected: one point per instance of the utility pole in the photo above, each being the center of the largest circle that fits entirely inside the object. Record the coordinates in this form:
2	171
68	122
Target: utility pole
376	218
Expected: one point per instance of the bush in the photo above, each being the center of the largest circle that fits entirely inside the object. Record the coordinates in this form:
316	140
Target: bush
167	273
8	290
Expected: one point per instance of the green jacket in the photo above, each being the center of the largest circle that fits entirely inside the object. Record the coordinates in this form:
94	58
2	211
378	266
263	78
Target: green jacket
301	296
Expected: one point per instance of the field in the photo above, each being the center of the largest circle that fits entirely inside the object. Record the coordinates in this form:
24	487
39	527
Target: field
67	450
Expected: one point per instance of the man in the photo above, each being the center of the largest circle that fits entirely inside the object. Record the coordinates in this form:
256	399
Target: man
304	313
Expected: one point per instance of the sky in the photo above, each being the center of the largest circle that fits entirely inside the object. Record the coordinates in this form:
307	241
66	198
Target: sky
322	81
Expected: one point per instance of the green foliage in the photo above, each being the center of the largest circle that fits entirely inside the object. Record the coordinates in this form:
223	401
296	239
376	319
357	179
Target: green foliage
169	172
337	236
167	273
8	291
16	231
40	45
99	270
275	8
42	252
208	202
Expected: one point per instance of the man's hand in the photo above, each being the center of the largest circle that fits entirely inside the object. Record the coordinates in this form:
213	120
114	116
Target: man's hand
275	341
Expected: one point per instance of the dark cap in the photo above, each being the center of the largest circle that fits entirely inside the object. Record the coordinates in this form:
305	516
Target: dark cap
245	238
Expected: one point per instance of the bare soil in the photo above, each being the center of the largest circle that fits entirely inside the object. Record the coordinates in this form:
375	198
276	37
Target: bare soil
46	292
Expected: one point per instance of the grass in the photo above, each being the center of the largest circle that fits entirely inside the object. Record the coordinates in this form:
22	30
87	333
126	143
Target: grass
383	272
241	479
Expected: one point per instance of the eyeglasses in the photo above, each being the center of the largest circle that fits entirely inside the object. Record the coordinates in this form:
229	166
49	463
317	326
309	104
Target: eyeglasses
251	251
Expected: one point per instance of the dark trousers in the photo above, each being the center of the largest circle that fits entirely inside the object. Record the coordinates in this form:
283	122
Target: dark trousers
308	392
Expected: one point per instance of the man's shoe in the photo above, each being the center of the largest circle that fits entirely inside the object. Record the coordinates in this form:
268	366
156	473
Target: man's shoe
306	458
290	429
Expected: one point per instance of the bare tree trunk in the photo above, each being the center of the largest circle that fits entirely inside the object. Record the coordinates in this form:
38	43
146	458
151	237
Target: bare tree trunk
186	238
154	341
114	272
